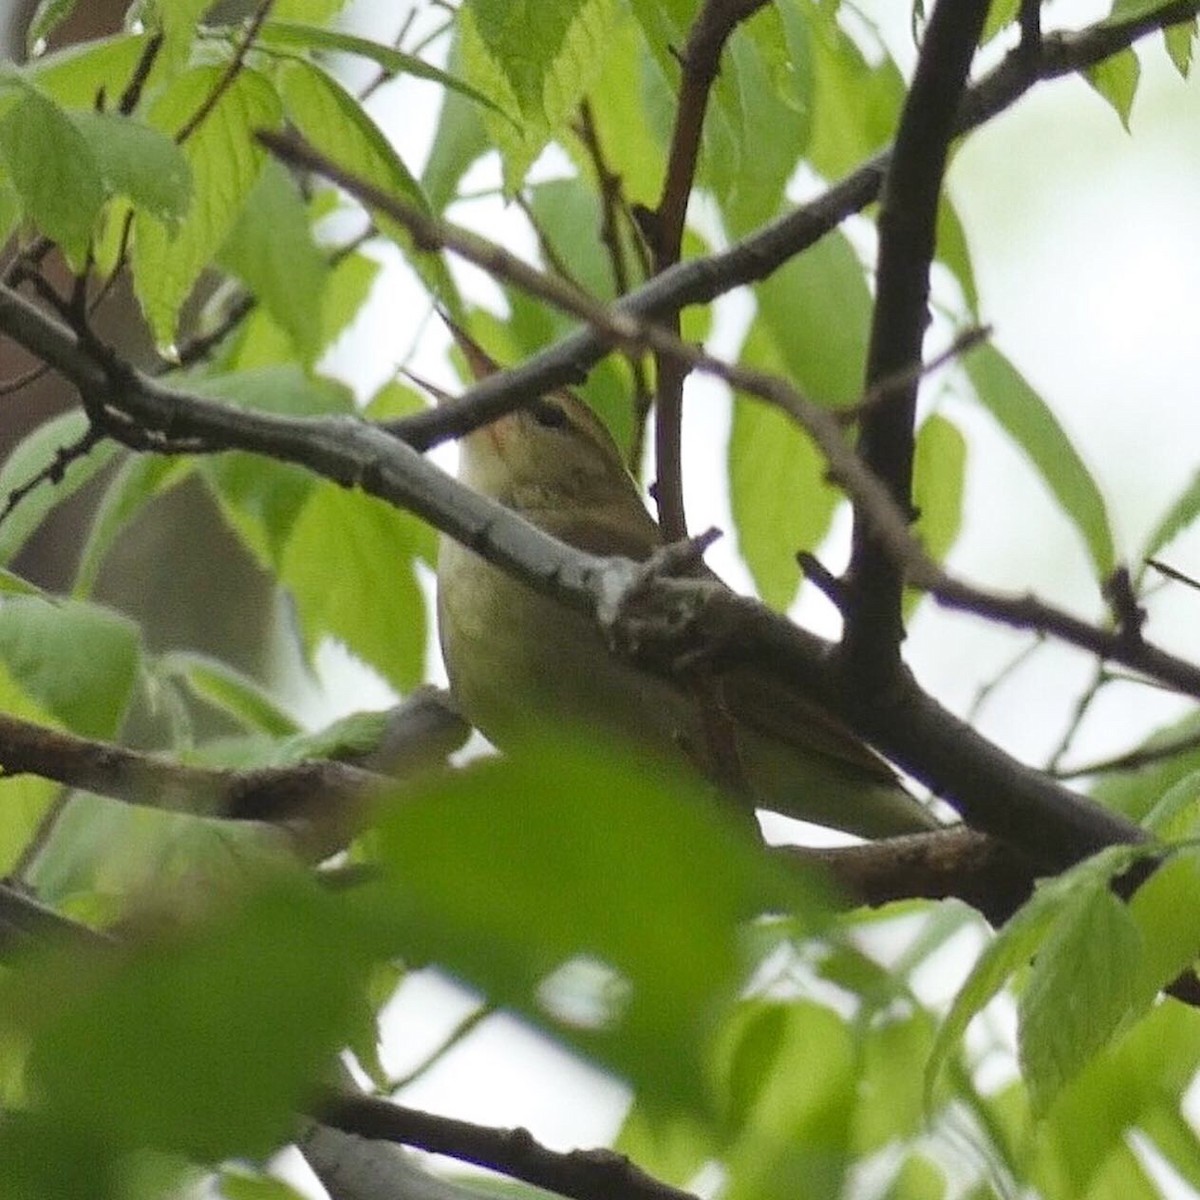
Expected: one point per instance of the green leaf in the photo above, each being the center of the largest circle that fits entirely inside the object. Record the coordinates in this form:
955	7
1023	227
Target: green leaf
395	62
630	140
954	252
47	17
793	1126
225	162
240	1015
459	141
757	125
1083	988
54	171
781	503
1136	793
25	798
532	61
349	564
261	499
891	1104
140	163
138	480
1026	418
1115	78
240	1185
336	124
260	342
1179	516
176	20
33	455
271	249
1163	910
1001	14
940	468
571	947
76	75
854	104
1135	1077
1014	945
228	690
78	660
1180	42
307	10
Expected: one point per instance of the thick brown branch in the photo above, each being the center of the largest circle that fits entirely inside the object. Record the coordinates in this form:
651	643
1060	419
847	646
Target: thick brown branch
907	222
991	876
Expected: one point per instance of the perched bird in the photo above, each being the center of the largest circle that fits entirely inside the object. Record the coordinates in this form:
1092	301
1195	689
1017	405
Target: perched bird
521	664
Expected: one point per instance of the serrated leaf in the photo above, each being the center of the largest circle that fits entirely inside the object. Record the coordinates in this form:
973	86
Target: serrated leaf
1082	989
271	249
79	661
1115	78
535	63
225	162
260	342
764	101
228	690
32	456
1026	418
349	564
1132	1080
138	162
54	171
1164	911
1014	945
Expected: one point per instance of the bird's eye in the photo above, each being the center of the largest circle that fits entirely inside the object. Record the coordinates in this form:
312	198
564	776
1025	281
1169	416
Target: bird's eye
548	415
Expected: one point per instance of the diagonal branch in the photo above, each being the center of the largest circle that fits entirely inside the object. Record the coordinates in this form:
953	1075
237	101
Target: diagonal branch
907	241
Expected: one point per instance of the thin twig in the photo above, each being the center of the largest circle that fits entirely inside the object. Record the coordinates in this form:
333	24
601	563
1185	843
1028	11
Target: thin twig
231	72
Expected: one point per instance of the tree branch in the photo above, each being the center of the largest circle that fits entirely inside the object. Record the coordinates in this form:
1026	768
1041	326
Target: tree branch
907	222
701	58
581	1174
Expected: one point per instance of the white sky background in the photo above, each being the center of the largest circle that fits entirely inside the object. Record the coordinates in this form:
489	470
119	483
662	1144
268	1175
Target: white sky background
1086	245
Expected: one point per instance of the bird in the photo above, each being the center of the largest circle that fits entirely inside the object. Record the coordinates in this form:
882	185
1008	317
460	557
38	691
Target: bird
522	666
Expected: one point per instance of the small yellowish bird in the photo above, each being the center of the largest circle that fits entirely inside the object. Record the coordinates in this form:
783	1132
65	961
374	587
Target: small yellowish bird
522	666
